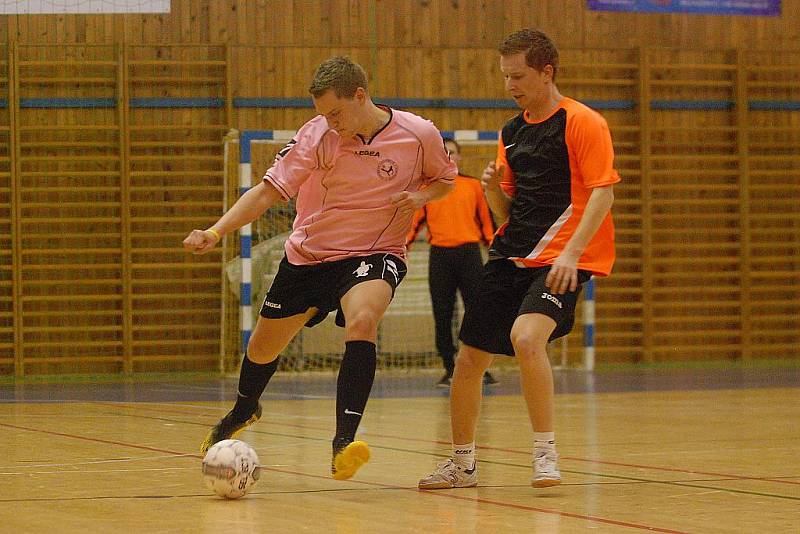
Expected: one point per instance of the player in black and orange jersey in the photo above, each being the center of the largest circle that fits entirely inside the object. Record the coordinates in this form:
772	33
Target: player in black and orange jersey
457	224
552	185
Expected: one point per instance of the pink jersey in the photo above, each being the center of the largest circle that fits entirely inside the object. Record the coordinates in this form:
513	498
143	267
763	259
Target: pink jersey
343	186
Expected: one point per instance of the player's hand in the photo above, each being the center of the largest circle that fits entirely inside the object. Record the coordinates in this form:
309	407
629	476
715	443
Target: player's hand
563	275
200	241
490	180
407	202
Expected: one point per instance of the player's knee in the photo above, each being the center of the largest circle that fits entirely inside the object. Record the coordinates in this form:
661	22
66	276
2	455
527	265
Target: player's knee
529	343
363	324
471	364
258	353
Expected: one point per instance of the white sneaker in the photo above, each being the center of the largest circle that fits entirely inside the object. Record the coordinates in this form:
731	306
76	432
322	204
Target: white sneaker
449	475
545	469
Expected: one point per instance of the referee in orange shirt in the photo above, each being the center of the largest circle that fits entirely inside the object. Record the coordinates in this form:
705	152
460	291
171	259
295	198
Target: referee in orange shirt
456	224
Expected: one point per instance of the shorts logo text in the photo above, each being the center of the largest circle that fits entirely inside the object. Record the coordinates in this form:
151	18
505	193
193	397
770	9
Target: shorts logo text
269	304
552	299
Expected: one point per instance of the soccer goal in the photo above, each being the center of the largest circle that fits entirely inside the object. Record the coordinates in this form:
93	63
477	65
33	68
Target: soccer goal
406	333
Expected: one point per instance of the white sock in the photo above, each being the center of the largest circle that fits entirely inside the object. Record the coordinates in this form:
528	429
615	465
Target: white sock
544	441
464	455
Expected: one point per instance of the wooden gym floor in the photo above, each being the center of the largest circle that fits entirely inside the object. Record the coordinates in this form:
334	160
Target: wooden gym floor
712	450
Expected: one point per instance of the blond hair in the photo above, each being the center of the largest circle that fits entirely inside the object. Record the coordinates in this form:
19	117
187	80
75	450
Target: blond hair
341	74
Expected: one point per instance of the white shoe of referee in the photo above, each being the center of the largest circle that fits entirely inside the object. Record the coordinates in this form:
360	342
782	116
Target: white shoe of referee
450	474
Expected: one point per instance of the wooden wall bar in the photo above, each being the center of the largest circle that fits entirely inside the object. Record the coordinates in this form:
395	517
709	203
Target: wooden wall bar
176	119
69	210
111	149
453	24
772	197
115	153
8	235
706	213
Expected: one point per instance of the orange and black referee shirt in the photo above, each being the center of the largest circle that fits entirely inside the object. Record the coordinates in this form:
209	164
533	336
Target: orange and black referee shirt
460	217
551	167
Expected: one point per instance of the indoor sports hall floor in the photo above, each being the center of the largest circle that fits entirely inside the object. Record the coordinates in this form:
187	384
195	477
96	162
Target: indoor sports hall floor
669	450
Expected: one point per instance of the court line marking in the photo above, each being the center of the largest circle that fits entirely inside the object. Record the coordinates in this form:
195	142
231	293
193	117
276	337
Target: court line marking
680	483
677	470
481	500
89	462
628	479
103	471
502	449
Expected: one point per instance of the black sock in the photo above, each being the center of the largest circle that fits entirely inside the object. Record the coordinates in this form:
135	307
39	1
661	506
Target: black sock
253	379
356	375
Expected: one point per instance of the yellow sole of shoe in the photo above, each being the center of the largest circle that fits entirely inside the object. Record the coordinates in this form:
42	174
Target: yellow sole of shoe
207	442
350	459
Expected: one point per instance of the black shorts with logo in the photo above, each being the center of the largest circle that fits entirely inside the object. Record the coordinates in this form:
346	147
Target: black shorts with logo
505	292
297	288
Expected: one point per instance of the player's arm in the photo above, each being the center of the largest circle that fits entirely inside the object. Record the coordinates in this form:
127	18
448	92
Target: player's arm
408	201
248	208
597	207
498	183
499	202
438	171
435	191
594	155
563	274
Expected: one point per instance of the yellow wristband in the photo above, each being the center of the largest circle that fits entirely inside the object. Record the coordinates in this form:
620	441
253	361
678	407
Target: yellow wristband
214	233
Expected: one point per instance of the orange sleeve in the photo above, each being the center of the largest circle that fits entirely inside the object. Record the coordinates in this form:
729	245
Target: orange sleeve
507	180
484	218
416	226
588	135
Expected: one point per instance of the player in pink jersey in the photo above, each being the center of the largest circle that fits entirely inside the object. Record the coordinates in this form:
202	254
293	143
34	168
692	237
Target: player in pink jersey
343	185
359	172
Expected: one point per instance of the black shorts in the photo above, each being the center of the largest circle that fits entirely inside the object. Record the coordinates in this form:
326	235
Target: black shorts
505	292
297	288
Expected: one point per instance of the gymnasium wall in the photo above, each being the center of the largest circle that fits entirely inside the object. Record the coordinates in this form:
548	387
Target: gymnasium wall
111	133
406	23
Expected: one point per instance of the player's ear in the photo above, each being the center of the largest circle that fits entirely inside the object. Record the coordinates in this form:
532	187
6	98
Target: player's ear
361	95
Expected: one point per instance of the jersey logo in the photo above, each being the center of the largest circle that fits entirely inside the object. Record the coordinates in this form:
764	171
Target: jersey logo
509	146
362	270
387	168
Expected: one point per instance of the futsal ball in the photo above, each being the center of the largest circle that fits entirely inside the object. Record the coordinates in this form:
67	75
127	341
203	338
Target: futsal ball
231	468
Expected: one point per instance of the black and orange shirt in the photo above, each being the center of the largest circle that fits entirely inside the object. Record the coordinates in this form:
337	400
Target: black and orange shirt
551	167
461	216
